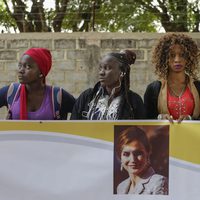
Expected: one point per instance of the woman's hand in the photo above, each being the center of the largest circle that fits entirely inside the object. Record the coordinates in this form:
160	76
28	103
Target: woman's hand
166	117
170	118
184	117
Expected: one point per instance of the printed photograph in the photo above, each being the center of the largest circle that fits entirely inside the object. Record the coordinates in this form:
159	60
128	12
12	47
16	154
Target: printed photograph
141	160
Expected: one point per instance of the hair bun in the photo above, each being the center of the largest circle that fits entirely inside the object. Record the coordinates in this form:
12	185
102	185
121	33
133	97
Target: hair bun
130	56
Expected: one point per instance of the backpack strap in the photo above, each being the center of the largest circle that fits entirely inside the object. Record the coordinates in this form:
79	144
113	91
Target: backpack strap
56	101
12	93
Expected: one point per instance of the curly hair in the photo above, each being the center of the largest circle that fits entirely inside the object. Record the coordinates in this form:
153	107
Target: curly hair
161	52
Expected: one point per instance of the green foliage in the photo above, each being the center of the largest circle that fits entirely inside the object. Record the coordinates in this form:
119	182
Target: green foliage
117	15
106	15
6	21
193	17
174	15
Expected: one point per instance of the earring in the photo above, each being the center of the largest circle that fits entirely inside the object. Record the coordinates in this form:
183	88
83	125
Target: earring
121	168
40	75
148	161
122	74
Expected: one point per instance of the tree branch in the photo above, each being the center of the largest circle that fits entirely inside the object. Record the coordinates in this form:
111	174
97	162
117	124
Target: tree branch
60	14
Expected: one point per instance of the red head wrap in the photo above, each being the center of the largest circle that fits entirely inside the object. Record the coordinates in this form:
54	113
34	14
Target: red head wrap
42	57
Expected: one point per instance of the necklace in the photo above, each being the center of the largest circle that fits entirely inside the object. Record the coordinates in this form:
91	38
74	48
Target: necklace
179	103
175	93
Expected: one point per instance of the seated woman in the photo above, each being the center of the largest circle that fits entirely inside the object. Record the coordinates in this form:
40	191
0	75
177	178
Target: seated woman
133	150
175	96
111	98
32	99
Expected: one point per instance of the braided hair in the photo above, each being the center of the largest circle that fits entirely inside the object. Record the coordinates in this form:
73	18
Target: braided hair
125	58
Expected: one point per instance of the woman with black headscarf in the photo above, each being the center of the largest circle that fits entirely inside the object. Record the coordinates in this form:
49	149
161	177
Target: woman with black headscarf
111	98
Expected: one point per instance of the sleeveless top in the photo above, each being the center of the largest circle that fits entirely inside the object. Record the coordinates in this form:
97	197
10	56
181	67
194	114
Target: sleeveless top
183	105
45	112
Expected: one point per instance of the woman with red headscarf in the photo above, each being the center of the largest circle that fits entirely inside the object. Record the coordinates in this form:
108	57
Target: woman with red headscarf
33	99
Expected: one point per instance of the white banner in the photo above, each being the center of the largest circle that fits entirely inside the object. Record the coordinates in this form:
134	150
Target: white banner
79	161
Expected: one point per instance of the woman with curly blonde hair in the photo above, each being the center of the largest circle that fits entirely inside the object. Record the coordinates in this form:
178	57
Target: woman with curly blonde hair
175	96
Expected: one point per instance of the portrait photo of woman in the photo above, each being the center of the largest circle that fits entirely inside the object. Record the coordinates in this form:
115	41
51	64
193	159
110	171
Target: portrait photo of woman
136	169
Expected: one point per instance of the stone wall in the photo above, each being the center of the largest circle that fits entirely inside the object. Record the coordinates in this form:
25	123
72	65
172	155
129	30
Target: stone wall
76	57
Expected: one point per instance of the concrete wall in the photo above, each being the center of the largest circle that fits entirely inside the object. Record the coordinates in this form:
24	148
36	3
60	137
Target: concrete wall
76	57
